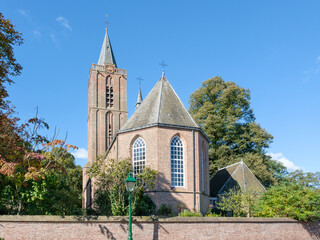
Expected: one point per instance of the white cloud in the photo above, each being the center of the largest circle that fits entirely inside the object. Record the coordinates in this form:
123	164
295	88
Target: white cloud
80	153
23	12
285	161
312	72
37	33
64	22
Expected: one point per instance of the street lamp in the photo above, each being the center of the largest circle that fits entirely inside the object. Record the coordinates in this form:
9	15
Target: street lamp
130	184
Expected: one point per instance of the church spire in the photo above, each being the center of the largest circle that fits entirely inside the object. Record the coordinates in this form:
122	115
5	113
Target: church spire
139	101
106	54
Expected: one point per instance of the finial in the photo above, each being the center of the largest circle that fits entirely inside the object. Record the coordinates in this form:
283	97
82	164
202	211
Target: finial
163	64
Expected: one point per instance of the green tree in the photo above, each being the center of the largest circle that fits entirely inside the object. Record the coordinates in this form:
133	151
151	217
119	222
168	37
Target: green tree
305	179
241	203
290	200
223	111
111	196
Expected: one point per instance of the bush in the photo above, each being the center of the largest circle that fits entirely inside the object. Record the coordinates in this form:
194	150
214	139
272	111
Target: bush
165	210
143	205
187	213
290	200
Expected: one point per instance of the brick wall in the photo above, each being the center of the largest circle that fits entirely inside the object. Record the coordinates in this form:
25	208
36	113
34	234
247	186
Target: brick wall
115	228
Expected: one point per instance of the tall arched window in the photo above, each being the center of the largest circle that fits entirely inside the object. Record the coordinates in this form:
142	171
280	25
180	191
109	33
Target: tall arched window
109	92
139	156
177	166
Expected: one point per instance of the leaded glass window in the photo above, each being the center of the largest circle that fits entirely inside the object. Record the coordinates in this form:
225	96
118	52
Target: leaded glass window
139	156
177	166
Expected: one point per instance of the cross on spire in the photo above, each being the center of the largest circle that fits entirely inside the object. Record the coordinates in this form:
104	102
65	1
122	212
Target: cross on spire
140	79
163	64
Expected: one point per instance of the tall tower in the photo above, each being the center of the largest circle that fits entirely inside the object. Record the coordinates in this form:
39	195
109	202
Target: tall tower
107	101
107	109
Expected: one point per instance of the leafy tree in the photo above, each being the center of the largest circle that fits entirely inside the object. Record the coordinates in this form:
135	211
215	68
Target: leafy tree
241	203
36	176
111	196
223	111
305	179
290	200
9	37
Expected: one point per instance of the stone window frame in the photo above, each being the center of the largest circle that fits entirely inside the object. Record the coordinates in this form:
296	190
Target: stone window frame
141	149
180	148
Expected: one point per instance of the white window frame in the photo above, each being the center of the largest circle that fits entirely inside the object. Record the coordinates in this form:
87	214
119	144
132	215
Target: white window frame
177	152
138	160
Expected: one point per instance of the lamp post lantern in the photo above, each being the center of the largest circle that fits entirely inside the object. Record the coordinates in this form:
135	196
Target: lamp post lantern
130	184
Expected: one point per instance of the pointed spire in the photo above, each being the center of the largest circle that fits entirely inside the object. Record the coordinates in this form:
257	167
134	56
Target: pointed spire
139	101
106	54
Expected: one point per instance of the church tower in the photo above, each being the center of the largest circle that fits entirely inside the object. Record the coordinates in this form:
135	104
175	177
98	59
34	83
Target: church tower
107	101
107	107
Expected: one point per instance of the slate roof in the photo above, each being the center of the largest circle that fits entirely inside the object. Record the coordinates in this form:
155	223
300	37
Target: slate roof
106	54
162	106
237	175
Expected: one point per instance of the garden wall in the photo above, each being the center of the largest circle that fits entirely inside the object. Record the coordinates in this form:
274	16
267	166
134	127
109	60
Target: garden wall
115	228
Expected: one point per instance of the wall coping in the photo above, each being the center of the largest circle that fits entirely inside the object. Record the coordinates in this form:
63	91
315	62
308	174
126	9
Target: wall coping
124	219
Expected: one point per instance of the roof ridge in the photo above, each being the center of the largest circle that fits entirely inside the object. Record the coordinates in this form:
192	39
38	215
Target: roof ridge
160	98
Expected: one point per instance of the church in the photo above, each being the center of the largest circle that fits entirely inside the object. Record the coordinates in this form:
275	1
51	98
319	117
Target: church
160	134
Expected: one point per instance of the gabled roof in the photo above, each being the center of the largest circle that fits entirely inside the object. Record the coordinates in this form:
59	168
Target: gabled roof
106	54
237	175
162	106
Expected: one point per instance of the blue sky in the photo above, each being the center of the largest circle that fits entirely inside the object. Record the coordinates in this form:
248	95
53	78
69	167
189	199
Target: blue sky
270	47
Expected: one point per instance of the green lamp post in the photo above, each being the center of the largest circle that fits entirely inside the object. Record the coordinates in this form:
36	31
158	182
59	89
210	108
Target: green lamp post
130	184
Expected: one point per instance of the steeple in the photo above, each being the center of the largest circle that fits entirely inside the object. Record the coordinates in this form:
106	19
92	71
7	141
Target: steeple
139	101
106	54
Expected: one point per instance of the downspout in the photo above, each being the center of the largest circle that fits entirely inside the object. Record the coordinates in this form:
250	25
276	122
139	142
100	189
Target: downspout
194	169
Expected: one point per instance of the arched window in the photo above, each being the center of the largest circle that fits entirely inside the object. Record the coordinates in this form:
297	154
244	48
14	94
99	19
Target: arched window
109	92
139	156
177	168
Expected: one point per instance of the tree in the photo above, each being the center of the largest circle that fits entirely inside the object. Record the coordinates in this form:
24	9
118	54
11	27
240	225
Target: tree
111	196
290	200
9	37
222	109
305	179
241	203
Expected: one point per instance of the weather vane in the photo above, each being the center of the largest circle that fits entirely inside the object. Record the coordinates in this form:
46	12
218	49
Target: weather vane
106	22
163	64
140	79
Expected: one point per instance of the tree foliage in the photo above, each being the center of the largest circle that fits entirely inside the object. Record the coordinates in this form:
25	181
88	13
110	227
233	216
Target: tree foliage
290	200
241	203
297	197
9	68
223	111
38	176
111	196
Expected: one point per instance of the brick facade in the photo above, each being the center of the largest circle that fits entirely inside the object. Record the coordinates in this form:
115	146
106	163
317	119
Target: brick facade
158	141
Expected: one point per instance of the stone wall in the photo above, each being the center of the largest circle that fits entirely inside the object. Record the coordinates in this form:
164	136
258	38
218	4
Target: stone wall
115	228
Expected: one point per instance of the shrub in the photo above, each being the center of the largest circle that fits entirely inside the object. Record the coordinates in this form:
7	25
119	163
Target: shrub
165	210
187	213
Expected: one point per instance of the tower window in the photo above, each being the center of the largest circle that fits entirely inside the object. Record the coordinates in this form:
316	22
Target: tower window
109	93
107	96
177	168
139	156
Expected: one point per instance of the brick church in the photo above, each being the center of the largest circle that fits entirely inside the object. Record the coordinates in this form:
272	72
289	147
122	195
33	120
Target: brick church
160	134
